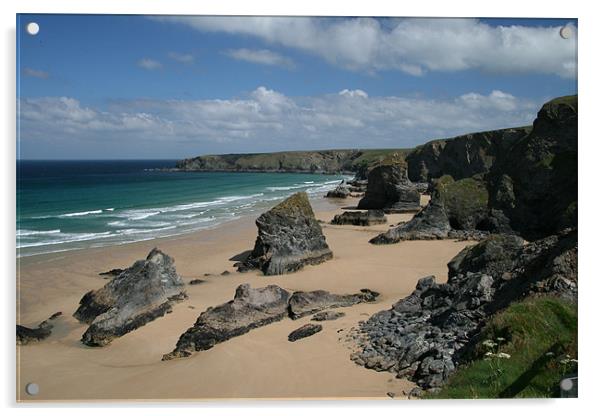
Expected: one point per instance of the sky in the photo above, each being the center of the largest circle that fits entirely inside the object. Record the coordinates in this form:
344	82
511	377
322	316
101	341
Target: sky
169	87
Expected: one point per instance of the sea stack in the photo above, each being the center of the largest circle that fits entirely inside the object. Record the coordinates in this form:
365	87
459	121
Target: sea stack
289	238
390	189
140	294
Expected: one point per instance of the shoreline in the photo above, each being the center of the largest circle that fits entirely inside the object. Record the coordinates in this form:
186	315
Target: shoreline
261	364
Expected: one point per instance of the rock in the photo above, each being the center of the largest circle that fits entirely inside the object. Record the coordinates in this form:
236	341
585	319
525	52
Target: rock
415	392
391	394
27	335
307	303
426	333
341	191
250	309
361	218
289	238
327	316
196	281
140	294
390	190
225	273
112	272
305	331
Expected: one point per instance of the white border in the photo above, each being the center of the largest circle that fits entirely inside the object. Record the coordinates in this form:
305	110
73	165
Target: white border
590	152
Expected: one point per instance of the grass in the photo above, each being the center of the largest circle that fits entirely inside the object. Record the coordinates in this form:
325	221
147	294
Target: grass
538	335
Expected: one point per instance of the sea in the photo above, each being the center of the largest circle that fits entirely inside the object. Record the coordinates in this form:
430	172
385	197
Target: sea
70	205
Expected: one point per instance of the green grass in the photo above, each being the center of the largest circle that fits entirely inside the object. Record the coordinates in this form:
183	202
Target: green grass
538	333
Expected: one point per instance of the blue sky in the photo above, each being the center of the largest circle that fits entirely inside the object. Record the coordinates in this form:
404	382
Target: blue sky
93	87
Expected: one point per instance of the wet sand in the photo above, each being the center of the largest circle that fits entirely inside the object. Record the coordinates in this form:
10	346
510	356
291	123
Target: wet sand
259	364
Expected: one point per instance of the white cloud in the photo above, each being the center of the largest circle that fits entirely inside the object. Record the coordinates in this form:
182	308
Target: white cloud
185	58
260	56
412	45
35	73
149	64
265	120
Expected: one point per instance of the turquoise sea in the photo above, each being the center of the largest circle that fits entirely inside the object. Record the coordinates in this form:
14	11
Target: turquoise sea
67	205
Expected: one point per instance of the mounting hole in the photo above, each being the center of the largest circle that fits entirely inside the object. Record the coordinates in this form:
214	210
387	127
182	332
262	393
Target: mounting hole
566	384
32	389
32	28
566	32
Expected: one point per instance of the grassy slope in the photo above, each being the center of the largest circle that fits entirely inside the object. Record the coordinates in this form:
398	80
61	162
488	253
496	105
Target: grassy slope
539	332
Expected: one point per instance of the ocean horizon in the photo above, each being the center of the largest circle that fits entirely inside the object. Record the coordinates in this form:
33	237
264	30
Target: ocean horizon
66	205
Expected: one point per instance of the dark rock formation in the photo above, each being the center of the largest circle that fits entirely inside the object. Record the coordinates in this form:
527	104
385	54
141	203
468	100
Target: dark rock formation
27	335
358	185
362	218
112	272
423	336
341	191
327	316
140	294
462	156
289	238
307	303
305	331
390	190
250	309
196	281
457	209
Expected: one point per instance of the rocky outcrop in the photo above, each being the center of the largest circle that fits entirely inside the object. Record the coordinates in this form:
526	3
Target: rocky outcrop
462	156
457	209
27	335
305	331
390	190
140	294
327	316
289	238
250	309
424	335
361	218
341	191
307	303
253	308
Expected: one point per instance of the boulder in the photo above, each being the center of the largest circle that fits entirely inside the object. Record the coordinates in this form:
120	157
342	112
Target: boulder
361	218
307	303
305	331
341	191
327	316
389	189
140	294
289	238
250	309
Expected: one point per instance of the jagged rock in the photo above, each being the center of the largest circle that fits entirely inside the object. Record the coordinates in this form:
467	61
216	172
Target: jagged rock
140	294
422	336
305	331
327	316
112	272
289	238
250	309
341	191
27	335
307	303
456	207
390	190
362	218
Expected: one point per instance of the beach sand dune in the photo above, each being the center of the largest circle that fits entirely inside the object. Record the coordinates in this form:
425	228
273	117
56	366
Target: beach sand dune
260	364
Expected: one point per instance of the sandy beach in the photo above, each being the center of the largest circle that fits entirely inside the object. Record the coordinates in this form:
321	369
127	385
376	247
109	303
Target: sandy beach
260	364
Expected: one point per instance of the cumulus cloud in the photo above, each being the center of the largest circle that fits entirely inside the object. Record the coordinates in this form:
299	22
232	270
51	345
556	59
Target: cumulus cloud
149	64
35	73
184	58
267	120
411	45
260	56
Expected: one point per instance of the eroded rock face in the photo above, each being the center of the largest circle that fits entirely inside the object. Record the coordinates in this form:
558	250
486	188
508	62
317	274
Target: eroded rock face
289	238
305	331
140	294
361	218
423	335
341	191
389	189
457	209
250	308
